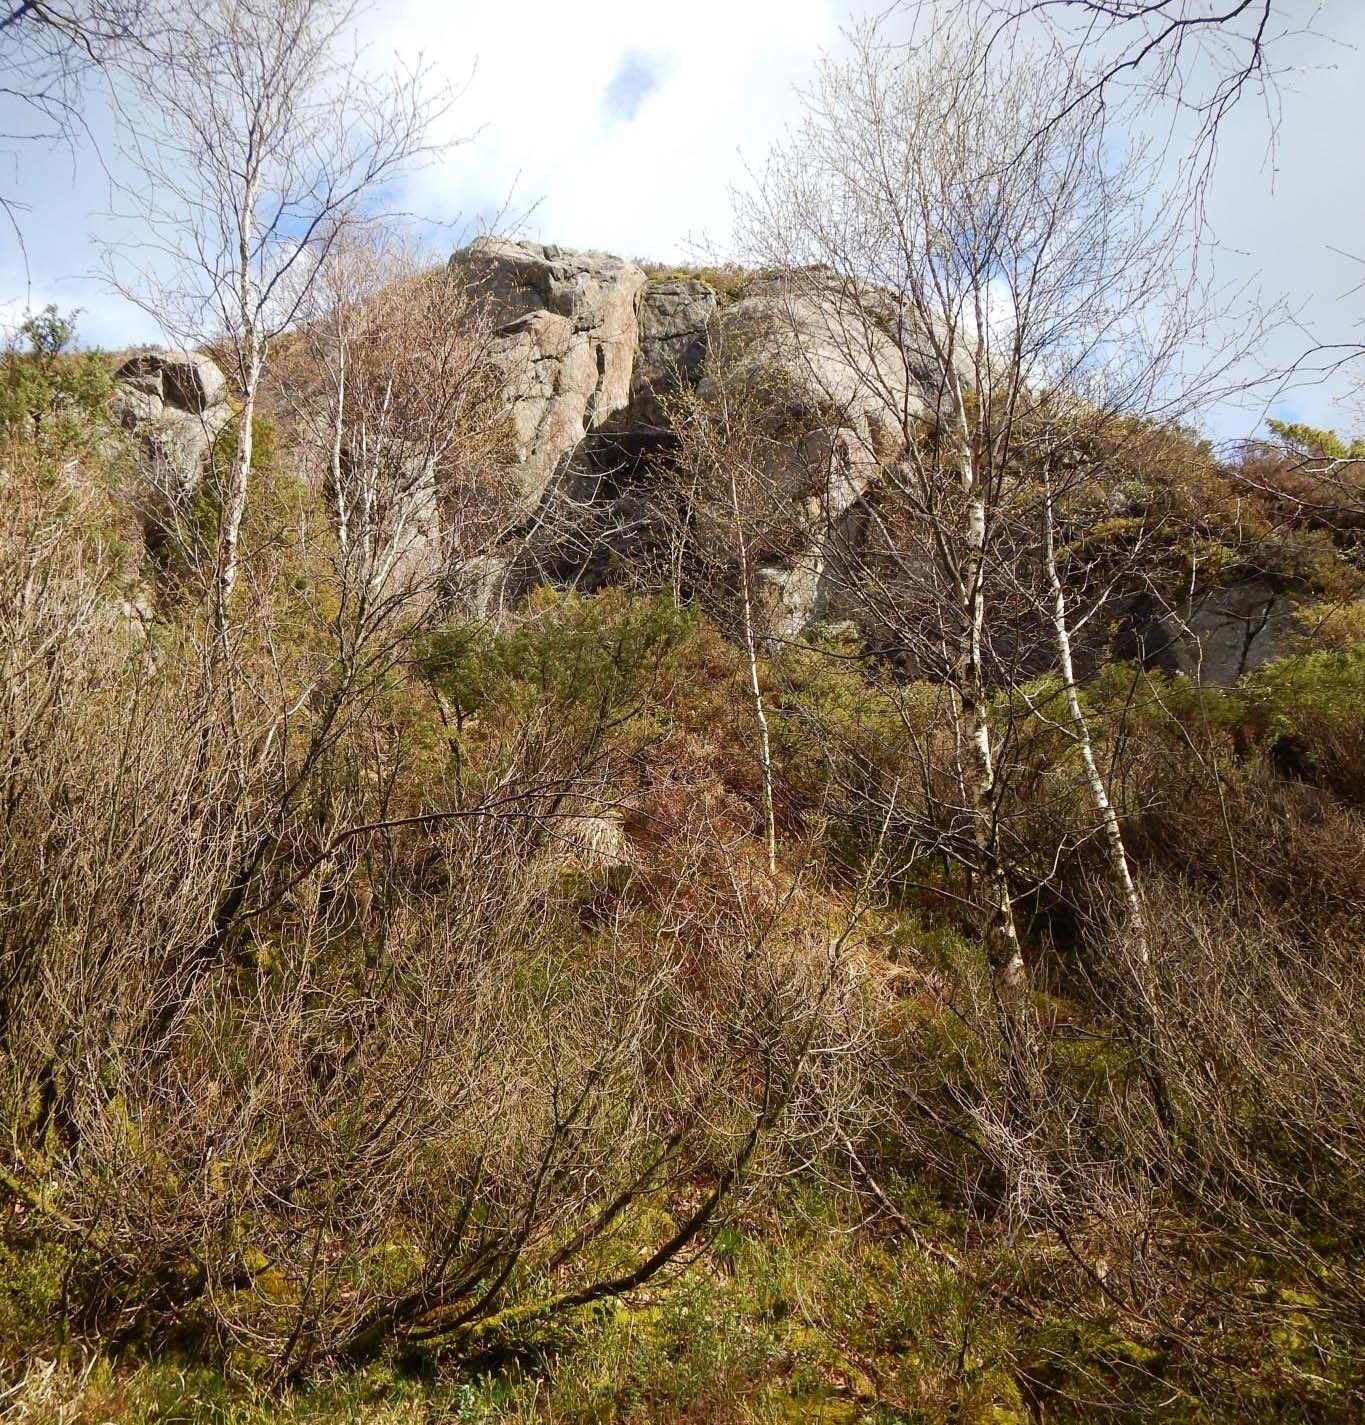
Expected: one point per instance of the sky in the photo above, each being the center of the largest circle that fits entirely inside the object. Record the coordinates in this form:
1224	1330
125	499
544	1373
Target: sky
625	125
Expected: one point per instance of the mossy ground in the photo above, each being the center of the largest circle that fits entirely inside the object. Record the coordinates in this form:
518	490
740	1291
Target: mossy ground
808	1312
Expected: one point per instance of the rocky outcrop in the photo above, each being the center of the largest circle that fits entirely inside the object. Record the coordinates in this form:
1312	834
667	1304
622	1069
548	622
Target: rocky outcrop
829	365
176	403
567	327
1230	629
180	380
833	387
675	318
806	582
591	351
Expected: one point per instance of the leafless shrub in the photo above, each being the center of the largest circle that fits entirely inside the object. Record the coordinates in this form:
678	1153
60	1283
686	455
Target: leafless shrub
257	140
303	1041
1240	1208
399	416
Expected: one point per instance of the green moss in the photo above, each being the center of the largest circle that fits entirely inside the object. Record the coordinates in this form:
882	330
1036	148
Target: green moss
727	282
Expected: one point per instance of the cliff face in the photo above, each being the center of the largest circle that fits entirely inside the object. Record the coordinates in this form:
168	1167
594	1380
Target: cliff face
568	332
591	348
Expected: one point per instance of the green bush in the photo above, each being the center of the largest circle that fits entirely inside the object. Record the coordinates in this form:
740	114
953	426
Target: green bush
44	383
591	659
1309	713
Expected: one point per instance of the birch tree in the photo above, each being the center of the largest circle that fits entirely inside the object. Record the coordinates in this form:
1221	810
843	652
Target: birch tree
980	289
403	417
737	514
259	139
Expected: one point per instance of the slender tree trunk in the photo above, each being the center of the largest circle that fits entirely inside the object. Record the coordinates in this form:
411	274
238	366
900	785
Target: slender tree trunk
234	506
765	756
1113	833
1006	954
251	360
338	484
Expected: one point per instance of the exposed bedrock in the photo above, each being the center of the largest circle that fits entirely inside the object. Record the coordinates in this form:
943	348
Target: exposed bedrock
176	403
594	352
567	329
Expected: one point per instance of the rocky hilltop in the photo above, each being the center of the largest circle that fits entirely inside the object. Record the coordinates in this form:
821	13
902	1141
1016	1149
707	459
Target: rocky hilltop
592	346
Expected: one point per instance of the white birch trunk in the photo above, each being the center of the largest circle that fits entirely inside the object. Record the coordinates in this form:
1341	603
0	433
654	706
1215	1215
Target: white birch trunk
234	502
765	757
234	506
339	492
1006	953
1113	833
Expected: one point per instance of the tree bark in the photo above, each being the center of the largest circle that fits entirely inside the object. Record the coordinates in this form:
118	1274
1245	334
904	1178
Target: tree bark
765	755
1002	939
1113	833
234	506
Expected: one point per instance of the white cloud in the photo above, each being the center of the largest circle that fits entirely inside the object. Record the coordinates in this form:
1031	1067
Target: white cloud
102	319
636	78
646	185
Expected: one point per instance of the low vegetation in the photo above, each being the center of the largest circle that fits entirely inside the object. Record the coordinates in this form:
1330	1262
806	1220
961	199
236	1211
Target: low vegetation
403	1017
851	965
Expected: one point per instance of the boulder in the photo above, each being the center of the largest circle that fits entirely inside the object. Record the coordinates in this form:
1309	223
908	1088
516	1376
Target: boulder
788	597
674	320
834	385
841	467
480	587
567	325
393	508
1230	629
176	403
184	380
821	357
814	582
